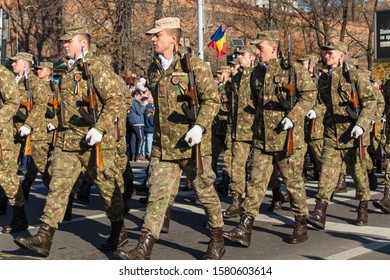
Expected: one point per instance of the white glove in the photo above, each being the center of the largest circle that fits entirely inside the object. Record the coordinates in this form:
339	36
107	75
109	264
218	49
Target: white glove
51	126
24	130
372	122
356	132
194	135
311	115
383	120
93	137
287	123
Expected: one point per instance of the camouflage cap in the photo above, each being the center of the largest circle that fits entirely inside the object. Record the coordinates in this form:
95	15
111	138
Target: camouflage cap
225	69
23	55
247	49
335	46
47	64
309	57
73	31
233	62
164	23
269	35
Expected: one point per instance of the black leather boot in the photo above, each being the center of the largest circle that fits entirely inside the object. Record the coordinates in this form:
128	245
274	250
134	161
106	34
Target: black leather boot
18	222
373	181
3	203
216	247
341	184
300	230
142	251
379	166
167	219
68	212
362	218
277	200
234	209
39	243
117	238
384	203
241	233
317	218
26	186
223	186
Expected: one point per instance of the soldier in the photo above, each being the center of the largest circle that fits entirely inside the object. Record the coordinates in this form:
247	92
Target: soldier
342	130
77	136
272	120
173	138
9	181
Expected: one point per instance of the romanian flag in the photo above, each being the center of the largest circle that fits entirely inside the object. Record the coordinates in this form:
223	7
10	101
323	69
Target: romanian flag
218	41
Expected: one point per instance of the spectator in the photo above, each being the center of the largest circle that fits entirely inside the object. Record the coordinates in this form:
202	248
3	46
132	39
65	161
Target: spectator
148	129
129	78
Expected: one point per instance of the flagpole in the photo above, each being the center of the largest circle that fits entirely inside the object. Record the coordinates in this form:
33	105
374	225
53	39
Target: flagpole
200	28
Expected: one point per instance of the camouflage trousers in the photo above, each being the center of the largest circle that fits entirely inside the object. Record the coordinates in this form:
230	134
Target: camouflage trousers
65	169
217	146
315	147
332	160
262	171
122	165
164	177
9	180
40	162
240	154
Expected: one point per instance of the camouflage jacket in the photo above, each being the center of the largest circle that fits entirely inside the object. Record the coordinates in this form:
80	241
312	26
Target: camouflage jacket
243	107
267	129
50	115
170	122
220	122
9	104
36	120
316	132
334	91
73	126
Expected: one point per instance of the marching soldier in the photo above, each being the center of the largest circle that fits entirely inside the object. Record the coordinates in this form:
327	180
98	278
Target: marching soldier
170	76
343	128
274	117
81	131
9	181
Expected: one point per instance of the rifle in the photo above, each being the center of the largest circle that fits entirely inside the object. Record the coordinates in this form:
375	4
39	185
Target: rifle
29	106
54	104
354	101
192	105
91	99
291	97
313	121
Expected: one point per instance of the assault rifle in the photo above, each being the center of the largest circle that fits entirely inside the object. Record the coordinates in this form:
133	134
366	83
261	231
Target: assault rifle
355	111
291	97
54	104
192	106
28	104
91	99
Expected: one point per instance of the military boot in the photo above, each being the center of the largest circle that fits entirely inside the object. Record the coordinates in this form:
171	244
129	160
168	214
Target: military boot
216	247
39	243
84	192
277	200
3	203
300	230
362	218
341	184
68	212
167	219
317	217
223	186
373	181
384	203
26	186
241	233
379	166
117	238
142	251
235	208
18	222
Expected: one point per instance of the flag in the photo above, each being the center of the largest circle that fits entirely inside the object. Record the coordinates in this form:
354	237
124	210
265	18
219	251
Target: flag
218	41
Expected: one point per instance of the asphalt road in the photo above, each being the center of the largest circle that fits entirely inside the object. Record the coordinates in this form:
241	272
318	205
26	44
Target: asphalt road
188	238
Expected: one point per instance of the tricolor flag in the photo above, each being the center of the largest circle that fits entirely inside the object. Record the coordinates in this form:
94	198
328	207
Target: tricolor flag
218	41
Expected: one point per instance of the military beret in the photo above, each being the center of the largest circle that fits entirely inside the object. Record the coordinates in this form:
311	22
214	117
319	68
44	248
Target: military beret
222	69
23	55
247	49
269	35
336	46
73	31
47	64
164	23
309	57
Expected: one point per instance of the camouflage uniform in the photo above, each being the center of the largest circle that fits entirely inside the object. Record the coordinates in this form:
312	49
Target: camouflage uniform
170	153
